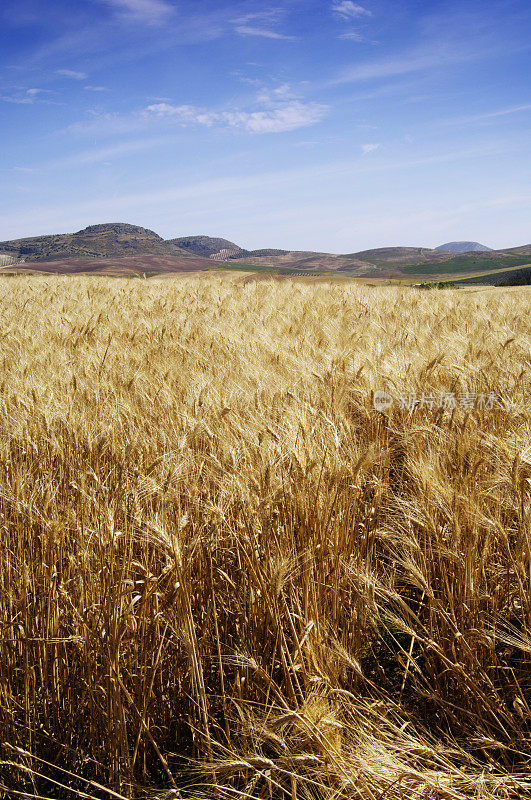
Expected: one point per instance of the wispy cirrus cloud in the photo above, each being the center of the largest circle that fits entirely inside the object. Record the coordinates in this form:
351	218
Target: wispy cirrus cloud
370	148
419	60
504	112
348	10
25	96
446	41
352	36
261	23
152	12
72	73
97	155
249	30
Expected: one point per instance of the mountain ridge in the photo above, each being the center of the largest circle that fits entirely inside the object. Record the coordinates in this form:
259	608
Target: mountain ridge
119	241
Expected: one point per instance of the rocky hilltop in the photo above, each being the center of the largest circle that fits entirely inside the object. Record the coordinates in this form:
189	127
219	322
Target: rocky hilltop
111	240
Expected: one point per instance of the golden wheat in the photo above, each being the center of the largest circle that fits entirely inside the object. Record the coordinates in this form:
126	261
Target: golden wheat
224	573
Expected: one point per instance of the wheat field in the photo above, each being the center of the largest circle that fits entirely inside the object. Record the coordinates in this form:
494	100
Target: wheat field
224	574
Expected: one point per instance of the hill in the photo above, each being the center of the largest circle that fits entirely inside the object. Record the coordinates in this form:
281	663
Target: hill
399	255
123	248
111	240
206	246
464	247
392	262
523	250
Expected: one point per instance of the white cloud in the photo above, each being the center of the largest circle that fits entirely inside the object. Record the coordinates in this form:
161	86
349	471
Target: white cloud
18	100
369	148
349	10
95	88
249	30
274	110
285	117
282	93
260	23
151	11
28	97
352	35
184	113
270	16
72	73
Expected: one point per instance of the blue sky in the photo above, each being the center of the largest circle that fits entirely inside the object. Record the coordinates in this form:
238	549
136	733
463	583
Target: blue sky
305	124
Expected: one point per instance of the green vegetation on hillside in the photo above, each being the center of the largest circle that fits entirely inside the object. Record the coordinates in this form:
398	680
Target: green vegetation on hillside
466	264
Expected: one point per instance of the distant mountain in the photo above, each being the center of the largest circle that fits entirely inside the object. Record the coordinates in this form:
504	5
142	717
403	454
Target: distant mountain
111	240
464	247
206	246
